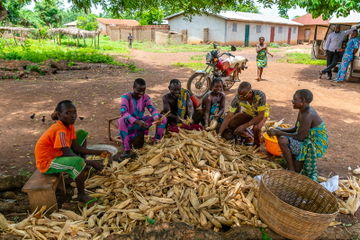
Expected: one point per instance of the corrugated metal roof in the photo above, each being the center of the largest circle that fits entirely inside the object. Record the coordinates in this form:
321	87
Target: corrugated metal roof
248	17
307	19
354	17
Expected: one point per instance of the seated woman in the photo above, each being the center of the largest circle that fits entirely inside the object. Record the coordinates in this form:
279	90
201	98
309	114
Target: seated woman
59	149
133	125
213	104
307	140
248	110
178	102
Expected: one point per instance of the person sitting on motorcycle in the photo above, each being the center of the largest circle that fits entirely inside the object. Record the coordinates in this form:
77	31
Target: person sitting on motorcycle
248	109
178	103
213	104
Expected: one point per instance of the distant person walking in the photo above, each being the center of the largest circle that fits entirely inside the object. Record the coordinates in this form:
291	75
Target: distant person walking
261	57
332	45
130	40
352	47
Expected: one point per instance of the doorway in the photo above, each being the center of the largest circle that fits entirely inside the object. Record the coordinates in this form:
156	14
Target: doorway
307	35
289	36
272	34
247	35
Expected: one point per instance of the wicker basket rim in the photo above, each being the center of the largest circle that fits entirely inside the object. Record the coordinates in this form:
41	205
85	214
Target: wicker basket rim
293	207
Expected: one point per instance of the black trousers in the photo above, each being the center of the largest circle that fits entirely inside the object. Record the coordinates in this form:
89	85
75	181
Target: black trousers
331	61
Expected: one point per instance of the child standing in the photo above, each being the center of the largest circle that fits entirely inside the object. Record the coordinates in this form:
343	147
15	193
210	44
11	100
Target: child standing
261	57
58	149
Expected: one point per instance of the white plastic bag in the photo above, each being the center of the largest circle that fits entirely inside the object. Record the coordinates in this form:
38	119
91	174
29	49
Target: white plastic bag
332	184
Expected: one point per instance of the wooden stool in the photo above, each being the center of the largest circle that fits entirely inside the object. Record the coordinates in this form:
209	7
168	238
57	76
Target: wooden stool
112	126
41	190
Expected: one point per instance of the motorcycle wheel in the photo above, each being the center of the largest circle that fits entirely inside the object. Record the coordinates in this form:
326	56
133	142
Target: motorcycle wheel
199	84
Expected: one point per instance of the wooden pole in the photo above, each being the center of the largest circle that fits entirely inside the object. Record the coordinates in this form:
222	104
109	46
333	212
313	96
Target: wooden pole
98	40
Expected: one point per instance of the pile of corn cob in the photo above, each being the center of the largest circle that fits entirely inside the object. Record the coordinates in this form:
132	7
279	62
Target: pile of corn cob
349	195
192	177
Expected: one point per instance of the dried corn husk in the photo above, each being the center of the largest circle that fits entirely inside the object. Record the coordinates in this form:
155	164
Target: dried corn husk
194	177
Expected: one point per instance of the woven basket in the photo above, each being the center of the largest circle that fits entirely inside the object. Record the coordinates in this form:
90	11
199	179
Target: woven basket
294	206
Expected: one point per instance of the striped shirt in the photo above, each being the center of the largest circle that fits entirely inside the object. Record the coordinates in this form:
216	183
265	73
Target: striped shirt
50	143
252	109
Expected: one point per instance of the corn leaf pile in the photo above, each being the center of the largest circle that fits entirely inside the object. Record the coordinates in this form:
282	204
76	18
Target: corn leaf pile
192	177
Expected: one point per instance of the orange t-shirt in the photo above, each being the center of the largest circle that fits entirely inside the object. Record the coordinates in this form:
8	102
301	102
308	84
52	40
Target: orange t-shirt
48	146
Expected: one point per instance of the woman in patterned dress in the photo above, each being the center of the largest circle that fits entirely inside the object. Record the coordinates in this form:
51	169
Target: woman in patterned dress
352	47
261	57
307	141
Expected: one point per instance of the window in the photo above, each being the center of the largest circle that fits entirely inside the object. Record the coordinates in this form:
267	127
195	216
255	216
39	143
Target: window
280	29
258	28
294	29
234	27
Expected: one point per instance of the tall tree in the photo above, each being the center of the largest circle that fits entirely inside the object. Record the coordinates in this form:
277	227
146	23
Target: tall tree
10	10
87	22
49	12
326	8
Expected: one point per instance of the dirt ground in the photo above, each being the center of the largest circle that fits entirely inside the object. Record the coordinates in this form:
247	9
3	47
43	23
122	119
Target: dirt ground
96	94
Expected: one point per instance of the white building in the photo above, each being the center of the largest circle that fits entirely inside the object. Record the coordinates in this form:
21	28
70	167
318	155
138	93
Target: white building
237	28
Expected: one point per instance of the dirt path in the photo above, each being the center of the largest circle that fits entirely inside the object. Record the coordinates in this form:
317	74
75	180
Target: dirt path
96	93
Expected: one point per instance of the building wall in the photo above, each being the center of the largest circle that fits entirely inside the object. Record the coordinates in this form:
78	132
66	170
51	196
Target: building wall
195	28
140	33
258	30
321	32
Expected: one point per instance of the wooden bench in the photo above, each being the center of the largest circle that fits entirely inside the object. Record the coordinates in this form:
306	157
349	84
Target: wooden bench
41	190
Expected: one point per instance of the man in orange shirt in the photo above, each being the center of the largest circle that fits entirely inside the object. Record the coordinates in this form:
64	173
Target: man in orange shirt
59	147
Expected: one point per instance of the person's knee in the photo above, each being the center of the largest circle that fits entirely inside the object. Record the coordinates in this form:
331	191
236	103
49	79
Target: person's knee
257	128
122	122
164	120
283	141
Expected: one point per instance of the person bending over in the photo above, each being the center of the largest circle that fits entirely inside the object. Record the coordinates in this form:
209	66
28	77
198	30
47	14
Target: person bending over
248	110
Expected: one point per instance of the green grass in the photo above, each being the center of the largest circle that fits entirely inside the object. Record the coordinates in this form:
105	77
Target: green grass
200	57
277	45
192	65
40	51
301	58
174	48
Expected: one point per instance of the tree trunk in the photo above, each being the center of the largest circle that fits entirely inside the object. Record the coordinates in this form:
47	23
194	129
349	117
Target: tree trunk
3	11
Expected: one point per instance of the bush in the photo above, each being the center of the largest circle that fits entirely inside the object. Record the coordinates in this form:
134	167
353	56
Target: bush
38	54
34	68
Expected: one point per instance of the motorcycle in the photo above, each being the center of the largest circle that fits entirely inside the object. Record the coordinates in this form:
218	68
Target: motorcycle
228	69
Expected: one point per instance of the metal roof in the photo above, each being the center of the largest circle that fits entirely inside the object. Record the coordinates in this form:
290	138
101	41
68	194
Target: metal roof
247	17
354	17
